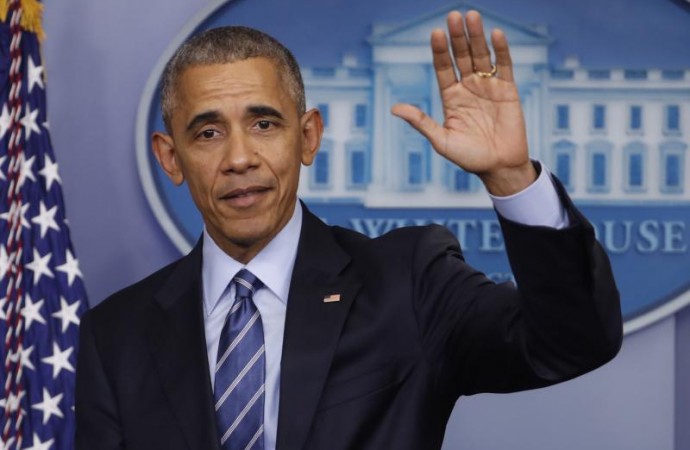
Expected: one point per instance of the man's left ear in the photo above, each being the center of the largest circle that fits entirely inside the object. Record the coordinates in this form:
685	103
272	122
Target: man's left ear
312	130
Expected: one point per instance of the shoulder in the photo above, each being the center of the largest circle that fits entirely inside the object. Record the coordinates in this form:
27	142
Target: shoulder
406	243
398	241
128	306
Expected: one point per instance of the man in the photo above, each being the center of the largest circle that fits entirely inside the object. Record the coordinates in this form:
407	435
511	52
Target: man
279	332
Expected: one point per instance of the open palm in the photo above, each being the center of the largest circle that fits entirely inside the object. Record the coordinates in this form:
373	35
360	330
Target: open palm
484	129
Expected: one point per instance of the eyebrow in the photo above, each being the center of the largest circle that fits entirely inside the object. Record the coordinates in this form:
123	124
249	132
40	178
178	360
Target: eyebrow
263	110
204	117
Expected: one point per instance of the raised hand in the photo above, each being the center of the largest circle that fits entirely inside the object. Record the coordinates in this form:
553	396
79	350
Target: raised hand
484	129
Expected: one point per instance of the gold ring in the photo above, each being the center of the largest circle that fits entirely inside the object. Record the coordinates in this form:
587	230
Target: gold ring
487	74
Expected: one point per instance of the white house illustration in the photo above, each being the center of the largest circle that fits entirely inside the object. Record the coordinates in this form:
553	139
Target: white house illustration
612	135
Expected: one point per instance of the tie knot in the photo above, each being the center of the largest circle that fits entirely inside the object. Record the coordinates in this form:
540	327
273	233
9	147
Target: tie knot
246	283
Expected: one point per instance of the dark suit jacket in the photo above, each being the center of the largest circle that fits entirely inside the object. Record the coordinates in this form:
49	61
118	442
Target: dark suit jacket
416	327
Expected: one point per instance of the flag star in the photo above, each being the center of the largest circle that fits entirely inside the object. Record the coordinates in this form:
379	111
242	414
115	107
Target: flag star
13	402
29	121
24	208
35	75
49	406
5	121
25	357
46	219
39	266
38	445
50	172
59	360
67	313
70	267
32	312
26	170
2	163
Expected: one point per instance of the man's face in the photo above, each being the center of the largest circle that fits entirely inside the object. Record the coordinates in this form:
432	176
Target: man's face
238	141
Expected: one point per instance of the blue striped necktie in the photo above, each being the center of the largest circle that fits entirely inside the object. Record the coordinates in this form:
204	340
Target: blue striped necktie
240	371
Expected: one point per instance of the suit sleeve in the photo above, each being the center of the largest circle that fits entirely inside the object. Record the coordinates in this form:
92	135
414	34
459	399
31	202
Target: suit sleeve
562	320
98	425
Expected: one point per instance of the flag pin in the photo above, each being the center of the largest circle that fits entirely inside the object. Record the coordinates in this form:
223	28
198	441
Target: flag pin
331	298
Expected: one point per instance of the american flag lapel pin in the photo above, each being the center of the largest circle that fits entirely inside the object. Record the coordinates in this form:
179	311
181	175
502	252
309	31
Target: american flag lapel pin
331	298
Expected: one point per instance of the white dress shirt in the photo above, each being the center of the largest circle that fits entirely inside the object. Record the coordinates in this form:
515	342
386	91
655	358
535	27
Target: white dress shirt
538	204
273	266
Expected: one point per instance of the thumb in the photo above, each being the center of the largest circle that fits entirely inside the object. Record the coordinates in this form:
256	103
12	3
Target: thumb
421	122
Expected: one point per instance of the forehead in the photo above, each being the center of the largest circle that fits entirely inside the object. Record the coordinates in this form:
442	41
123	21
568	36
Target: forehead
249	80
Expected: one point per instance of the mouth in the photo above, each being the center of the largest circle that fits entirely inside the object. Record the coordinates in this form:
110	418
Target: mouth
245	197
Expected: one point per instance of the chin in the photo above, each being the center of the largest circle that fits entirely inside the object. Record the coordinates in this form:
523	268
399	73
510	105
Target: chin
247	236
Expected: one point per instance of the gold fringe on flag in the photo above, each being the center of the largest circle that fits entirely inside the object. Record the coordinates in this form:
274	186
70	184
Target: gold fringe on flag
3	10
32	16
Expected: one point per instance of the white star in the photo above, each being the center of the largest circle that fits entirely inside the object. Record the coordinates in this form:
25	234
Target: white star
2	162
35	75
13	402
29	121
59	360
49	406
50	172
67	313
39	265
25	357
46	219
70	267
23	210
26	170
5	121
38	445
32	312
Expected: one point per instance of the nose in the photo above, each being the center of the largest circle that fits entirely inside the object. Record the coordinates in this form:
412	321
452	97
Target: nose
239	155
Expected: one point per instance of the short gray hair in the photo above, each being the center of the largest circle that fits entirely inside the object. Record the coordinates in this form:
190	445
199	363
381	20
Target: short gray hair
226	45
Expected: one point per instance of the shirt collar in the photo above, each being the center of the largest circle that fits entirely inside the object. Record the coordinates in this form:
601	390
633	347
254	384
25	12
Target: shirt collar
272	265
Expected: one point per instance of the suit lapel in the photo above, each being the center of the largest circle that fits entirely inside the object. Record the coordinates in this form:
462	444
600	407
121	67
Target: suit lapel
312	327
178	345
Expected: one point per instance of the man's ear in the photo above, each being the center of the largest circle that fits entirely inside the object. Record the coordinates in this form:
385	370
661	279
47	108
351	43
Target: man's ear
312	130
164	149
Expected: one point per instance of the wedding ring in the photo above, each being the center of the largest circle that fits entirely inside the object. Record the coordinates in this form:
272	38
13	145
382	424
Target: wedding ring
487	74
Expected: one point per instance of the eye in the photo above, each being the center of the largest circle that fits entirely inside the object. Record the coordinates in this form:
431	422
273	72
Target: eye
208	134
264	124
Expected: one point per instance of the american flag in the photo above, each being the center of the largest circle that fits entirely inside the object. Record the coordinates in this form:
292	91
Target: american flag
42	294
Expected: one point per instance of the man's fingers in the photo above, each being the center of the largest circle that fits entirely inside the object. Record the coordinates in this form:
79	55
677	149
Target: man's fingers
504	63
421	122
443	64
481	57
459	44
469	48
